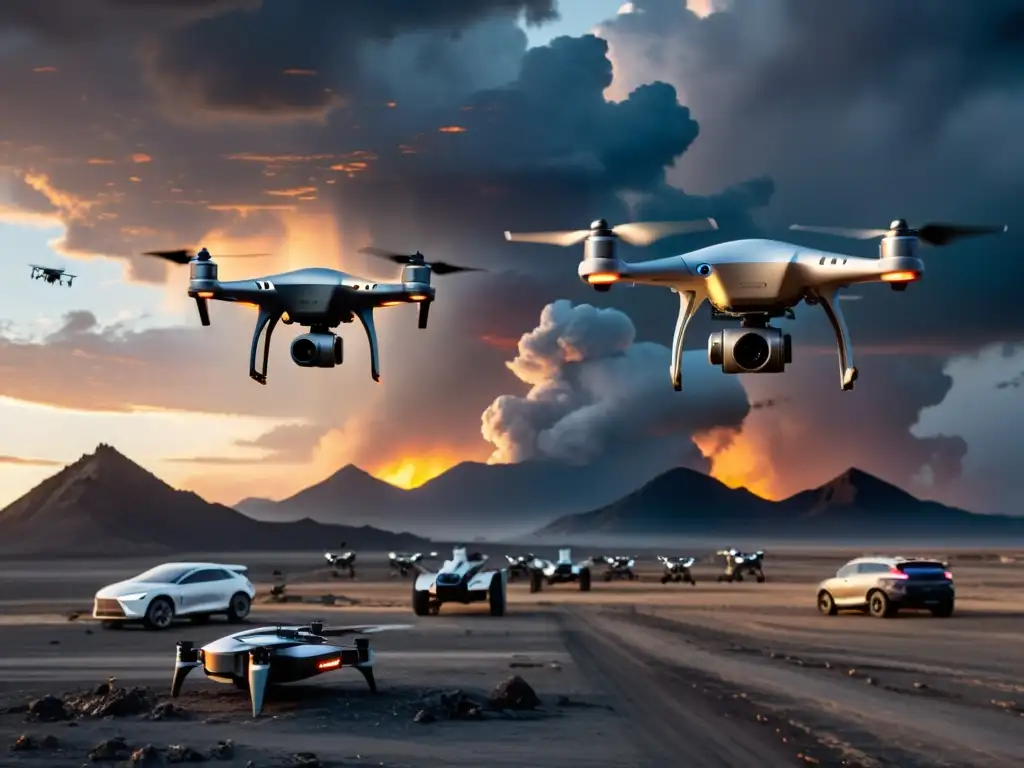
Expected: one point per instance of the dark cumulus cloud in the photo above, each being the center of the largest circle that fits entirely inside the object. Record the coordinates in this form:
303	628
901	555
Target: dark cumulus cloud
862	113
439	130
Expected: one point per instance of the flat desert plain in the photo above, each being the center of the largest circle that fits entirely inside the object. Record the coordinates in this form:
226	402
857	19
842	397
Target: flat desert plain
630	674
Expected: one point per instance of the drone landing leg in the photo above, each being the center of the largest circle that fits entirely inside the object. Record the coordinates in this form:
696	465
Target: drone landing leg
689	301
266	320
366	318
259	671
847	370
370	680
186	659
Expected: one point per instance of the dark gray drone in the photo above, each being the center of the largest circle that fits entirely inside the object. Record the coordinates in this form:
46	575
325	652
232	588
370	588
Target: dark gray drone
52	275
317	298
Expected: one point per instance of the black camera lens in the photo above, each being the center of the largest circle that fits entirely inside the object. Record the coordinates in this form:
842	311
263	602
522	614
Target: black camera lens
751	351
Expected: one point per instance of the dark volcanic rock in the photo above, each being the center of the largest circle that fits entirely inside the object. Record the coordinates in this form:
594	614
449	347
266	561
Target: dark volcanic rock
48	709
108	701
176	753
24	743
146	755
306	760
514	693
111	750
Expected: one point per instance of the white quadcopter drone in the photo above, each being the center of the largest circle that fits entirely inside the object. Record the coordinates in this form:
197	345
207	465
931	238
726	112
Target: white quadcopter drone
561	571
317	298
754	281
256	658
460	580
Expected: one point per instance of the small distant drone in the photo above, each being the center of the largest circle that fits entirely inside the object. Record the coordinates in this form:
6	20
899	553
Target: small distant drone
677	569
346	561
462	579
317	298
52	275
739	563
402	564
256	658
619	567
518	565
562	571
754	281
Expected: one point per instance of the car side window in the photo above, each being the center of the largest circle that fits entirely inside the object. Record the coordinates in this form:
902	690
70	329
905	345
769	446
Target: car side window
872	568
846	571
218	574
198	577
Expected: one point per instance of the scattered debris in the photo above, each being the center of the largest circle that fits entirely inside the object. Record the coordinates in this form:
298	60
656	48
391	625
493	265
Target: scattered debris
525	665
223	750
73	616
424	717
306	760
448	705
24	743
176	753
107	700
146	754
920	686
110	750
852	672
565	701
165	710
328	599
870	681
514	693
48	709
50	741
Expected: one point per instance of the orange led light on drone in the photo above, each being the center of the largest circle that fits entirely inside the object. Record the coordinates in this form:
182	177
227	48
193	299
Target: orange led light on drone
602	278
899	277
205	294
329	664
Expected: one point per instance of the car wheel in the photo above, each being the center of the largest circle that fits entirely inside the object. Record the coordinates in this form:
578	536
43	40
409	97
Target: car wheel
536	582
238	607
879	605
826	604
420	602
585	580
943	611
496	596
159	614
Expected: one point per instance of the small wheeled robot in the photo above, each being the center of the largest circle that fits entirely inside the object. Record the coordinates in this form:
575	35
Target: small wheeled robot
618	567
346	561
562	571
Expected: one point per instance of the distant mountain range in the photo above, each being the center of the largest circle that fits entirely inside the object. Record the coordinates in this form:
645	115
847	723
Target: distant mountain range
548	500
854	505
467	501
105	503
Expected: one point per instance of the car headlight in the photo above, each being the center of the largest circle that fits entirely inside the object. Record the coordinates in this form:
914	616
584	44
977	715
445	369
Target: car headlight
137	596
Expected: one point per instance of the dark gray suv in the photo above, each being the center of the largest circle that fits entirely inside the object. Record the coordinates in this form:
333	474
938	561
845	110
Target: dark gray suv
884	585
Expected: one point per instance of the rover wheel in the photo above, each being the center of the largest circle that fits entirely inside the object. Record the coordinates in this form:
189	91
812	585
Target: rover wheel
607	577
496	596
536	582
760	578
420	602
159	614
943	611
826	604
737	577
585	580
879	605
664	579
239	607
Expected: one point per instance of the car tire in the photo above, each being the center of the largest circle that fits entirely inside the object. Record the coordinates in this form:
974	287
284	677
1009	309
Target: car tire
536	582
159	613
585	580
420	601
880	606
238	607
826	604
943	611
496	596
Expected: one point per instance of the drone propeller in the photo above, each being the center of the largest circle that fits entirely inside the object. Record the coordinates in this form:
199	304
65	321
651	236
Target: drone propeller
636	233
184	255
931	234
418	259
364	629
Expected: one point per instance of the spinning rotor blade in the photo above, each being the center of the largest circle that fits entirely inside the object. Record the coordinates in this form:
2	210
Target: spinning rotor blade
944	234
184	256
648	232
855	234
564	238
444	268
438	267
366	629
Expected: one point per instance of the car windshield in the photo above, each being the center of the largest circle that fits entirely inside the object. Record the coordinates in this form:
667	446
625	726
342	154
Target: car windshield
163	574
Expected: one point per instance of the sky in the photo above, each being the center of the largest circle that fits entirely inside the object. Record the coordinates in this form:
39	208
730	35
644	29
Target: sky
306	130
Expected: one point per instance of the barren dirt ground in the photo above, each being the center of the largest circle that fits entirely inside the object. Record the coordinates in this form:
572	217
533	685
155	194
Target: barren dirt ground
630	674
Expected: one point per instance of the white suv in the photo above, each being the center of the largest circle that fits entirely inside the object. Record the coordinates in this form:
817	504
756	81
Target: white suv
193	590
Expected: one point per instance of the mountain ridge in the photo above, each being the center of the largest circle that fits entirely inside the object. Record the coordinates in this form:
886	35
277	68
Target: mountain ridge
104	503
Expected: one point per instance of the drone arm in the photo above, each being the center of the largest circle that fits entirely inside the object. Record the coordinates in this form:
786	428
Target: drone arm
267	320
365	316
689	302
847	370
